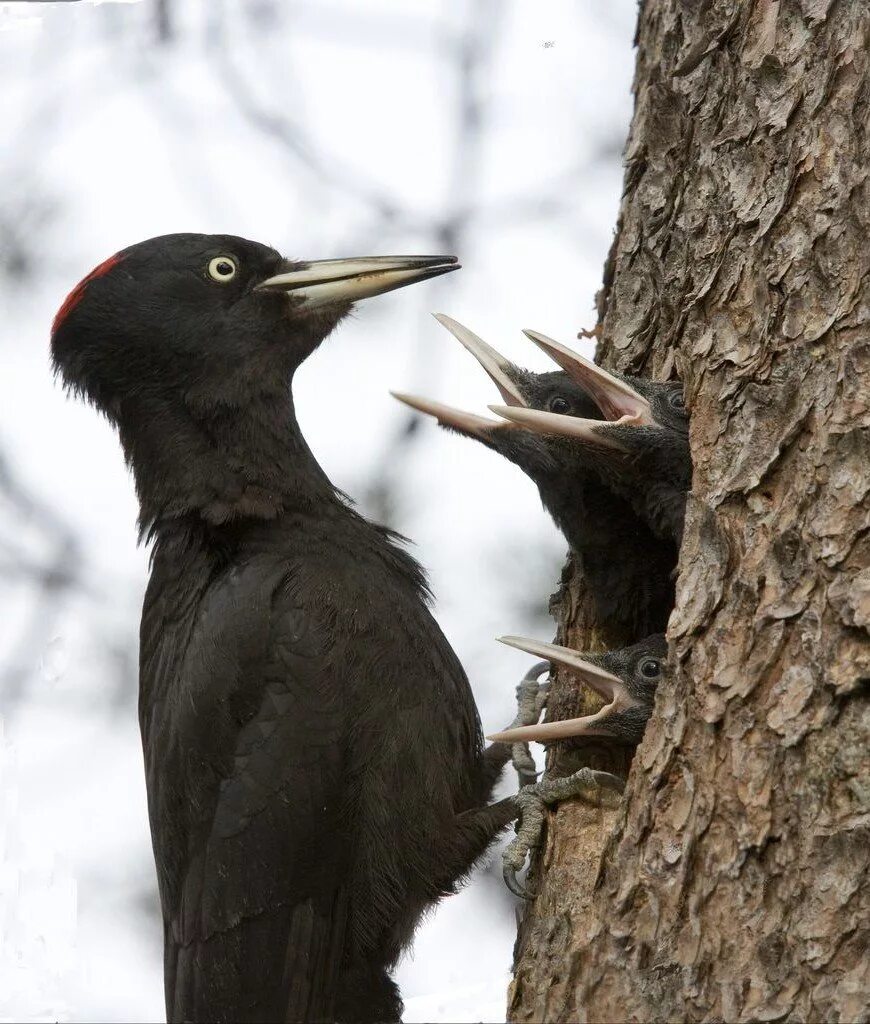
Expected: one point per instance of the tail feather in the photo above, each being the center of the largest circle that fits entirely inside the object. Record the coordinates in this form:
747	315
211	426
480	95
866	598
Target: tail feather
283	965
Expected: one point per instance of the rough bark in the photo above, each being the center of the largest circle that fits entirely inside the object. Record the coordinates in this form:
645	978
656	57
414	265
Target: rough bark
734	878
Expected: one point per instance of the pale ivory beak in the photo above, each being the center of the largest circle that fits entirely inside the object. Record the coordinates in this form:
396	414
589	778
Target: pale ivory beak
605	684
323	282
613	396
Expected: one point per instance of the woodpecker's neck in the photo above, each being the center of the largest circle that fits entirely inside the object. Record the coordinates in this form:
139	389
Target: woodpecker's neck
220	463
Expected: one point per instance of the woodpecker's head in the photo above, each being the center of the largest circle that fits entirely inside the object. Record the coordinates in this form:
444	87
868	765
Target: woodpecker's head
634	415
190	315
640	449
552	392
626	678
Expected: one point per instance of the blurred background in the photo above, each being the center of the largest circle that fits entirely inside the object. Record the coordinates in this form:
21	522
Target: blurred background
491	129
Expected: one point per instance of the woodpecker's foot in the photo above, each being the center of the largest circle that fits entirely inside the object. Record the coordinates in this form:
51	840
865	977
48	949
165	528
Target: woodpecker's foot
531	701
532	801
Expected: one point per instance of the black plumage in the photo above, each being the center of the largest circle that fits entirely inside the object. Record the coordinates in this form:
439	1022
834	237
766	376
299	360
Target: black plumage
640	450
626	678
313	755
628	568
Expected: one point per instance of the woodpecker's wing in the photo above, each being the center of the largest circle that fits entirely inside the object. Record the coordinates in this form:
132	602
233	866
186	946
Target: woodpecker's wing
243	742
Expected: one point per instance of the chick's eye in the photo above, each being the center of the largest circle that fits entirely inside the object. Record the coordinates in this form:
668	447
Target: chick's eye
560	405
651	668
677	400
222	269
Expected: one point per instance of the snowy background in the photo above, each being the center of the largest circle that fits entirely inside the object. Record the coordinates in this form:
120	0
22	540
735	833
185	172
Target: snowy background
487	128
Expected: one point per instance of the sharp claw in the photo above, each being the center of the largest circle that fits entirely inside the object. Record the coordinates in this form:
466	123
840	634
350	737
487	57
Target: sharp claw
536	671
529	826
609	781
516	854
511	881
531	801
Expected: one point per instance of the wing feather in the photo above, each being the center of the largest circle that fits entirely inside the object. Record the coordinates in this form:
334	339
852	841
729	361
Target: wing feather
257	906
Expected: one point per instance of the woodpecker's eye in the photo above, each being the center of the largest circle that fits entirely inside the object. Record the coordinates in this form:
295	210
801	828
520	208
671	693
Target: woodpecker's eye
677	400
560	405
650	668
222	269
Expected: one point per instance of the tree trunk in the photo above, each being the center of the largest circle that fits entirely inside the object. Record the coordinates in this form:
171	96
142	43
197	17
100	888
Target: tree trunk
734	878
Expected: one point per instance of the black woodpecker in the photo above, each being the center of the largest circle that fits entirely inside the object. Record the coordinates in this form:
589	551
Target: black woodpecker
314	763
628	568
641	451
627	680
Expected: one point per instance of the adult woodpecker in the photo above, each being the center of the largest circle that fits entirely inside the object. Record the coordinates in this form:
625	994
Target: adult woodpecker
628	569
313	755
627	679
641	451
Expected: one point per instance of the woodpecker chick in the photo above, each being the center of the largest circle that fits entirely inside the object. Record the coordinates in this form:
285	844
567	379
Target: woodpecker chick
627	679
641	451
628	569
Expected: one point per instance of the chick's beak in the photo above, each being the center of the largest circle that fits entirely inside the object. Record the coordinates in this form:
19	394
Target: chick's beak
540	421
324	282
500	372
449	416
493	362
613	396
604	683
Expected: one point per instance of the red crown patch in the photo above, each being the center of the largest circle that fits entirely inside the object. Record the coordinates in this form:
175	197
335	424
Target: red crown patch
76	295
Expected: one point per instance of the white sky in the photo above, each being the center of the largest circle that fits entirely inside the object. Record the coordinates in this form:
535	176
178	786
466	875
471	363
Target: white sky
108	139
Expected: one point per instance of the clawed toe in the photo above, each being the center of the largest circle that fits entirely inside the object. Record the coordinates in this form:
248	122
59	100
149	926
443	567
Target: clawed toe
532	695
531	701
518	888
531	802
524	764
